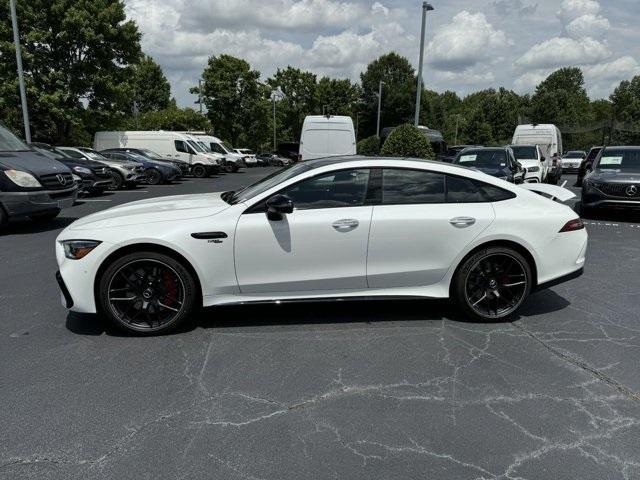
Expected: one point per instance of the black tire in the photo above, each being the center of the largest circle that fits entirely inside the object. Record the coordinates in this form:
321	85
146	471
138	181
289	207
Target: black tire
199	171
227	168
45	217
4	218
154	177
492	284
135	293
118	181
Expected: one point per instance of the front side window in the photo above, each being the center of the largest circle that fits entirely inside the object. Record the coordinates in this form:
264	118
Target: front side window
404	186
181	146
217	148
345	188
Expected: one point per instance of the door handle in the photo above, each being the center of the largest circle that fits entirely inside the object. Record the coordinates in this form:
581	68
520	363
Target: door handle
462	222
345	224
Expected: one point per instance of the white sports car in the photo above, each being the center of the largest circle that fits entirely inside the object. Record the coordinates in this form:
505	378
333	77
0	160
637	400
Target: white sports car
329	228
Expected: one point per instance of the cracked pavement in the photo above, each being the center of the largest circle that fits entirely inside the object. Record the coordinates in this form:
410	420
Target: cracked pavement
357	390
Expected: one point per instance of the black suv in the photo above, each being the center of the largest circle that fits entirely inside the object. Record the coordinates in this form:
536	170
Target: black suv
614	181
498	162
95	176
31	184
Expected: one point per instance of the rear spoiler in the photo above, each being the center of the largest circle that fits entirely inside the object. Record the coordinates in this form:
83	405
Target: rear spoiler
553	191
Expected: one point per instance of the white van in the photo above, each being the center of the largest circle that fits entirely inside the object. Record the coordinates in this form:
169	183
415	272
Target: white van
327	136
215	145
546	136
167	144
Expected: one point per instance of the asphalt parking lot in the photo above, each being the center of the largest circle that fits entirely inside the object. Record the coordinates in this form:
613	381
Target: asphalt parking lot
345	390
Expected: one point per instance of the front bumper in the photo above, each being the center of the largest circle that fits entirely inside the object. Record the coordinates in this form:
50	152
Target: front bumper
594	198
18	204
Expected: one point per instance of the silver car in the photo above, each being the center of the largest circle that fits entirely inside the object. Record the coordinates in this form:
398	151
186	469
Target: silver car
123	172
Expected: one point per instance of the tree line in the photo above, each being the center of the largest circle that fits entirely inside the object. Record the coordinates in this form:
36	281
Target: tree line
85	71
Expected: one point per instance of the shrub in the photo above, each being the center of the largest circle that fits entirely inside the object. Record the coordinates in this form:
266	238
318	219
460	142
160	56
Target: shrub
369	146
407	141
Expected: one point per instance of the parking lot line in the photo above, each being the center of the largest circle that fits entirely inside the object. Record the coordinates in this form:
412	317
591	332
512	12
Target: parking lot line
94	200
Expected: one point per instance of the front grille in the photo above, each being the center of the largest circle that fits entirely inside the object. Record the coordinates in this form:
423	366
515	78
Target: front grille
619	190
56	181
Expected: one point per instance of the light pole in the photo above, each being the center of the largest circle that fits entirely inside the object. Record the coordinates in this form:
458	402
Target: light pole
379	107
275	94
426	7
23	94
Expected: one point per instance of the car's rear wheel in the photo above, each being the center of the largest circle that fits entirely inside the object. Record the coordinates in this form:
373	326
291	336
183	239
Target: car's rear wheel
492	284
154	177
147	293
199	171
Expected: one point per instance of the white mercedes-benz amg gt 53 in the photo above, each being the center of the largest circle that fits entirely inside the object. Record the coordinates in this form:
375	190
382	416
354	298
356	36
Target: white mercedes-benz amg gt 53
330	228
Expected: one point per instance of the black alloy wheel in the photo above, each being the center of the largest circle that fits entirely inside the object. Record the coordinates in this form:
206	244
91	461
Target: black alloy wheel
492	284
117	181
199	171
154	177
147	293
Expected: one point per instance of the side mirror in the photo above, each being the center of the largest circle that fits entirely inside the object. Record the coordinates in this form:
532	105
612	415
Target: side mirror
543	158
277	206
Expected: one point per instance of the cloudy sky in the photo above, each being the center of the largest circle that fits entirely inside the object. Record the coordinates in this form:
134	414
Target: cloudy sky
472	44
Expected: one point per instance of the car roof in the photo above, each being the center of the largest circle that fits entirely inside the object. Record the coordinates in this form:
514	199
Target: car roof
624	147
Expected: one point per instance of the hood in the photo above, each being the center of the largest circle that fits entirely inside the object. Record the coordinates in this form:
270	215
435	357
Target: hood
529	162
162	209
73	162
615	176
32	162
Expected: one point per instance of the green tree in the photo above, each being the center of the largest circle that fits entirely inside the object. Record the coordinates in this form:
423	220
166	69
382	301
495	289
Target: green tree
561	99
625	105
150	89
369	146
398	95
337	97
77	57
407	141
298	90
236	102
171	118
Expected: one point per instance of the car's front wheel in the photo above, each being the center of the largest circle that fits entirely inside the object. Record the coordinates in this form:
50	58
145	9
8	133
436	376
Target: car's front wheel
492	284
117	181
199	171
147	293
154	177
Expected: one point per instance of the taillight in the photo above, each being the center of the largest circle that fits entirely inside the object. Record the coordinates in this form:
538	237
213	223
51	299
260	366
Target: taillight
572	225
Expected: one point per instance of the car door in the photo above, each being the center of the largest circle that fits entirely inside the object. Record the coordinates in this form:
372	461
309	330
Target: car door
424	221
182	151
321	245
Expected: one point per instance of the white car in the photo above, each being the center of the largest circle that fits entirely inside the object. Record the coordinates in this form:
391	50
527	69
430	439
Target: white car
531	158
328	228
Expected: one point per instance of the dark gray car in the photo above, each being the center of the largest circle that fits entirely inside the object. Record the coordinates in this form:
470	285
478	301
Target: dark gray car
614	181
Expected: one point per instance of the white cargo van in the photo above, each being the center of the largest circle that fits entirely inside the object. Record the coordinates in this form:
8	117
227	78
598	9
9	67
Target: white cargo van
327	136
546	136
215	145
167	144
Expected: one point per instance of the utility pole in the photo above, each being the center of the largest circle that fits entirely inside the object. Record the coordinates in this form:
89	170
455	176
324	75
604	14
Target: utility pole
379	107
23	93
273	97
426	7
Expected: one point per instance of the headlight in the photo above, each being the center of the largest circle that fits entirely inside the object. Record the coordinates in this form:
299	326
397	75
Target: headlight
77	249
22	179
86	171
533	169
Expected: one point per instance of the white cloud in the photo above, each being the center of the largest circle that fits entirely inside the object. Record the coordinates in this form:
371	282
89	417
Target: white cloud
467	41
593	26
572	9
561	51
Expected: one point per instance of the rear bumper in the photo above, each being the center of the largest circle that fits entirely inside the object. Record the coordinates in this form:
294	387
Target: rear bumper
563	279
18	204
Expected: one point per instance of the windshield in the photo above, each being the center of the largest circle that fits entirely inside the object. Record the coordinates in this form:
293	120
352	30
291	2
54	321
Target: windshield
196	146
227	147
9	142
620	160
268	182
95	156
204	146
483	159
49	153
150	153
525	152
74	154
574	155
137	157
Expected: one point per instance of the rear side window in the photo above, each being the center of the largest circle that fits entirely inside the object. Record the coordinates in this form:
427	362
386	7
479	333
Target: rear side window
404	186
467	190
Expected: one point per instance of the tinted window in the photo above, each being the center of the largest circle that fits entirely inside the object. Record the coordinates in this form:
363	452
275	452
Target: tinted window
181	146
483	158
525	152
346	188
217	148
466	190
404	186
74	154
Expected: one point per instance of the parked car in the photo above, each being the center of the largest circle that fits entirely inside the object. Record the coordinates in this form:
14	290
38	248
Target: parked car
330	228
571	160
233	161
272	160
614	181
184	167
125	173
587	164
548	138
95	177
531	158
498	162
31	184
327	136
172	145
155	172
290	150
453	151
248	153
